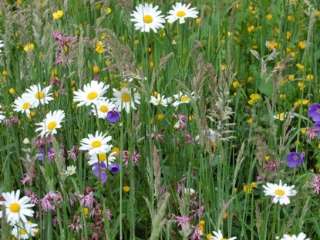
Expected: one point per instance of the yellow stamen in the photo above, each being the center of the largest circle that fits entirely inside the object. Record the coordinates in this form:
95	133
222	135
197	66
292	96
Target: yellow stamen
96	143
15	207
147	19
92	95
125	97
181	13
52	125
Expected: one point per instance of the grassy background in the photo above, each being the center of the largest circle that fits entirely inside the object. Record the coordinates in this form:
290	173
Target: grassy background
210	56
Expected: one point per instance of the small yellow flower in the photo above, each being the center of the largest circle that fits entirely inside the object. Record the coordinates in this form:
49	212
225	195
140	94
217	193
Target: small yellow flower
283	96
160	117
280	116
28	47
108	10
250	79
115	151
12	91
248	188
95	69
301	102
301	85
57	14
5	73
302	44
250	28
267	157
290	18
310	77
126	188
289	34
303	130
291	77
100	47
250	120
254	98
269	17
300	66
85	212
271	45
209	236
236	84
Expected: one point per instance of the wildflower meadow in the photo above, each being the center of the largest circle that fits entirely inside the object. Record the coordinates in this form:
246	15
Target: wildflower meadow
163	119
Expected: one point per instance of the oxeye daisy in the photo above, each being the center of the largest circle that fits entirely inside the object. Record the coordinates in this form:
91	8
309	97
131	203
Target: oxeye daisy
180	12
39	95
181	98
147	17
219	236
102	157
23	104
51	123
280	192
96	144
102	107
300	236
16	208
157	100
2	116
91	93
25	230
125	99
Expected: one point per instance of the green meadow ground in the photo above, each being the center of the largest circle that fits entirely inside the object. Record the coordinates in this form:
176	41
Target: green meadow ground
253	68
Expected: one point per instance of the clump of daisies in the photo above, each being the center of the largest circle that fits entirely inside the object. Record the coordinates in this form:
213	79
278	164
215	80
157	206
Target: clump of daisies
280	193
101	158
147	17
33	97
16	212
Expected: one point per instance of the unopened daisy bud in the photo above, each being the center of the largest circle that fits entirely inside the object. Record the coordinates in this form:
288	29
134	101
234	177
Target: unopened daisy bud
108	10
302	45
115	151
26	141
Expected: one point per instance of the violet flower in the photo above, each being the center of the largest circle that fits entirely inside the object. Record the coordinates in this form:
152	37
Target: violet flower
113	116
99	170
295	159
314	112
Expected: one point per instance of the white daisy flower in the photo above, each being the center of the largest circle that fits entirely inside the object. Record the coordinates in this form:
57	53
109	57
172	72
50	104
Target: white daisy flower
181	11
300	236
39	95
102	107
160	100
2	116
181	98
219	236
51	123
102	158
25	230
16	208
280	192
23	104
1	45
96	144
91	93
147	17
124	99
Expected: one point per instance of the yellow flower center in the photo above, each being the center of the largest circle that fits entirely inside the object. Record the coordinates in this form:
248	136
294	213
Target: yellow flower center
15	207
147	19
181	13
92	95
23	232
102	157
104	108
279	192
39	95
52	125
125	97
25	106
184	99
96	143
